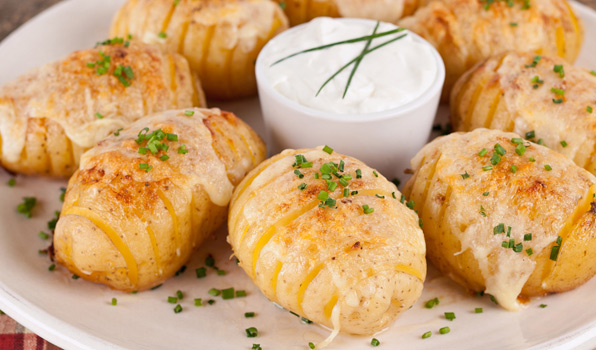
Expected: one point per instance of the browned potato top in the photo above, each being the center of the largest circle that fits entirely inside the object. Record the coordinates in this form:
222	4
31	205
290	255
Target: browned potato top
468	31
478	206
88	103
550	99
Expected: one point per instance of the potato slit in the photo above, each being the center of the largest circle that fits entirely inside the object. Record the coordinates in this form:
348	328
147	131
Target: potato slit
228	140
250	151
304	285
275	278
492	110
168	19
330	305
371	192
409	270
582	207
174	217
560	40
173	84
122	247
244	233
182	42
152	239
575	23
271	231
205	50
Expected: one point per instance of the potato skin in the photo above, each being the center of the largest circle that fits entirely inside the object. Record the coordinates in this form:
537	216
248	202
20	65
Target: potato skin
301	11
462	205
48	116
132	229
465	32
220	38
499	94
369	268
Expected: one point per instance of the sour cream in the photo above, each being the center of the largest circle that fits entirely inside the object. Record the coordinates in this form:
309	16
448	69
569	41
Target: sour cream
389	77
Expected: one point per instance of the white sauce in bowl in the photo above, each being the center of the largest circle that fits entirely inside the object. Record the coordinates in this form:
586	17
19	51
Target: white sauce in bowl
387	78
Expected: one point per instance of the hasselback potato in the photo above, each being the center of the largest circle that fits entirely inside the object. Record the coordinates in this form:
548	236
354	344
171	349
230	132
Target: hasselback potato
467	31
220	38
543	97
131	217
505	216
337	247
52	114
300	11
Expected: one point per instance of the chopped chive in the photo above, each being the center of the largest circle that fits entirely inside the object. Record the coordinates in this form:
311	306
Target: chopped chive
162	35
530	134
444	330
154	288
513	24
534	62
558	92
198	302
12	182
189	113
427	335
164	157
251	332
564	143
486	194
482	152
548	167
379	196
558	68
500	228
52	267
589	109
487	168
209	261
346	192
513	169
172	300
478	310
178	309
201	272
557	100
375	174
375	342
249	314
258	346
393	195
215	292
99	115
182	149
323	195
327	149
210	301
114	301
353	193
542	306
532	159
540	142
520	149
43	235
482	211
302	186
26	208
495	159
450	316
299	174
343	182
529	251
331	185
367	210
554	253
228	293
171	137
528	237
518	248
465	175
500	150
358	173
431	303
240	293
410	204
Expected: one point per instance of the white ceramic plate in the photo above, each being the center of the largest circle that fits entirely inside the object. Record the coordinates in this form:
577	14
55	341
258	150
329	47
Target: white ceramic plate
75	314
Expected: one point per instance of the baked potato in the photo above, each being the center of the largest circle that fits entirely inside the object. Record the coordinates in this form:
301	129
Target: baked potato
53	113
505	216
220	38
326	237
467	31
512	93
131	217
301	11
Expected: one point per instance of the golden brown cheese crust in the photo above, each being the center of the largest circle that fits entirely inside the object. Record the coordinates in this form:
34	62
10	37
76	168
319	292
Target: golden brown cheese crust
365	269
465	32
131	229
49	115
470	211
510	93
301	11
221	39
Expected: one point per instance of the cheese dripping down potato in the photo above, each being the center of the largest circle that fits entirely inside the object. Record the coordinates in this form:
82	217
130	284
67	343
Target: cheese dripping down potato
467	31
326	237
131	217
220	38
52	114
543	98
505	216
301	11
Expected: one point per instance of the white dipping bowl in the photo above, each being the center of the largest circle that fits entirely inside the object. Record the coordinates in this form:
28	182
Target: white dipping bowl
385	140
